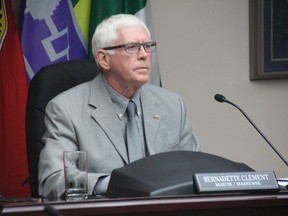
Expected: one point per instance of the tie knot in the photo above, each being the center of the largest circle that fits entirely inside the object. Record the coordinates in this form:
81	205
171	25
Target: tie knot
131	109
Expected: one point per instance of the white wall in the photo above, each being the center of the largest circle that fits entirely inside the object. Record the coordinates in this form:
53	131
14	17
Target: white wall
203	49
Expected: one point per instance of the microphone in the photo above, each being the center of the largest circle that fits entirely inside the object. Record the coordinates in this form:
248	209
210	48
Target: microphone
50	211
220	98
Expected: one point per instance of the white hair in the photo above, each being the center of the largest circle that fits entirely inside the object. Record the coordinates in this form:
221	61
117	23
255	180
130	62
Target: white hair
106	32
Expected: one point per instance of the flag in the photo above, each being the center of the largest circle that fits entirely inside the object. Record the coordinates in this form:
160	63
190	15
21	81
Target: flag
50	34
82	9
101	9
13	94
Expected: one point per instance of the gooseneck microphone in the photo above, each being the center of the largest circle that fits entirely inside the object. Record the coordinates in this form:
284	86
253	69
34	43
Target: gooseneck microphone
220	98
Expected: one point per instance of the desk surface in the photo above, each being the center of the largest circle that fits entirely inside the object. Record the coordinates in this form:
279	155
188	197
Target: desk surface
221	204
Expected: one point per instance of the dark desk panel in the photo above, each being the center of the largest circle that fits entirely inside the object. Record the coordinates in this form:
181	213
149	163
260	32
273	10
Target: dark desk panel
225	204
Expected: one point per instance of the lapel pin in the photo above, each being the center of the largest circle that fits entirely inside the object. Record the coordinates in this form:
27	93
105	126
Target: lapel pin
157	117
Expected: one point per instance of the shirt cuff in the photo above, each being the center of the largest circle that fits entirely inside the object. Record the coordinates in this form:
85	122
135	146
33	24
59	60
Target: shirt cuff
101	185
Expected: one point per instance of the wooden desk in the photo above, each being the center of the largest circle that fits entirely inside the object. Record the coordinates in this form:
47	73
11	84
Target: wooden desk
225	204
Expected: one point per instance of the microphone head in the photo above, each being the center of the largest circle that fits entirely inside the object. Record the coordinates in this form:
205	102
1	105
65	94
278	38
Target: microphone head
220	98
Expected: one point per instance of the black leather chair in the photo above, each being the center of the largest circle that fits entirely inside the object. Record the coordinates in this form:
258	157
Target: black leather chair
45	85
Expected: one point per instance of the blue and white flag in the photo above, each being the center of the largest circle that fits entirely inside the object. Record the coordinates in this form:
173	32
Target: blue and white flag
50	34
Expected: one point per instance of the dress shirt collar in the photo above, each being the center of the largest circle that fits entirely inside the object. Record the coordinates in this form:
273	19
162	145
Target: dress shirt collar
121	102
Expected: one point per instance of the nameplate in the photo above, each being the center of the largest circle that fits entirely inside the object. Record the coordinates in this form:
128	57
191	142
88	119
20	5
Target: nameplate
235	182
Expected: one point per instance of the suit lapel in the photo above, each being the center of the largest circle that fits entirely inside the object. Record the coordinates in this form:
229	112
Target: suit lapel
105	116
151	117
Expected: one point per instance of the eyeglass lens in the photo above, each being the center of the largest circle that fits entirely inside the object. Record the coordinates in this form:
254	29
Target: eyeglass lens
135	47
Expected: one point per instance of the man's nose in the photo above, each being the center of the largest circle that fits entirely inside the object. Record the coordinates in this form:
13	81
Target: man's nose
142	52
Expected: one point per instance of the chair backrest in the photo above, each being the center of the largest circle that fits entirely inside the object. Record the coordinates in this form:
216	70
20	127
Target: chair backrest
45	85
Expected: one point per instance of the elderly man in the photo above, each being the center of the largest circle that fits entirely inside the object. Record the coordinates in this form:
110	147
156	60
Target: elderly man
94	116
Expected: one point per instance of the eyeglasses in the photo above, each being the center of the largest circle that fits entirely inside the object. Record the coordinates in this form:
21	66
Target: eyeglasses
133	48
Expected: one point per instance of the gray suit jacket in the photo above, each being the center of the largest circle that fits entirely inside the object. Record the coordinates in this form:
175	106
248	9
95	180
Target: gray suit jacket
83	118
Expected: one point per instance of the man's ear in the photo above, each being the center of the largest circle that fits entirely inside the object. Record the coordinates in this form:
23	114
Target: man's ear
103	59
